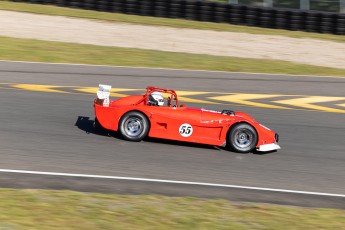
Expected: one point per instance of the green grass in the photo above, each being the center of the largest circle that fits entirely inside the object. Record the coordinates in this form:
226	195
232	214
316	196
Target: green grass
44	51
53	10
42	209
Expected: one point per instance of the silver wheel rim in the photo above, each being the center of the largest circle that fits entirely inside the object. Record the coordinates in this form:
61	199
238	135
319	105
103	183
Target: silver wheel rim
133	127
243	138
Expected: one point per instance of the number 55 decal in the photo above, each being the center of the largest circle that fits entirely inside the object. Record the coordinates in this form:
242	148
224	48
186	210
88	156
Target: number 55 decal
186	130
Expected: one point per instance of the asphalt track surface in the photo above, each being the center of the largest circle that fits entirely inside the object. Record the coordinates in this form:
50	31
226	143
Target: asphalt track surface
52	132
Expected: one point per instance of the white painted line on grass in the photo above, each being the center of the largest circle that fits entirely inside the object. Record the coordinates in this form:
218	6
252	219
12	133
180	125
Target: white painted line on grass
167	181
170	69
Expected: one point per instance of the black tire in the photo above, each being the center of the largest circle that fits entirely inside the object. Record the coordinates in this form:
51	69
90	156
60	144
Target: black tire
242	138
134	126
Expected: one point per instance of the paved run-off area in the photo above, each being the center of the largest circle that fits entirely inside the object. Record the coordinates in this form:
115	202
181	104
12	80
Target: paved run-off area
65	29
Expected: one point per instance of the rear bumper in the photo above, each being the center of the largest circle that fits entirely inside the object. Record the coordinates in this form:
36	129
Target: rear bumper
268	147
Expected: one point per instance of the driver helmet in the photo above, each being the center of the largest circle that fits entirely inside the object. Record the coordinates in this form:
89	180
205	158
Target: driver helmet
156	98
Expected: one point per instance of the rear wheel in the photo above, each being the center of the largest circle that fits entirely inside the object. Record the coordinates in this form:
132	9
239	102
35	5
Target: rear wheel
242	138
134	126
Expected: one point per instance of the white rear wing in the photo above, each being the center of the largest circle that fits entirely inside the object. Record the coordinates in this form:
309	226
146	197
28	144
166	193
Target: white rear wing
103	93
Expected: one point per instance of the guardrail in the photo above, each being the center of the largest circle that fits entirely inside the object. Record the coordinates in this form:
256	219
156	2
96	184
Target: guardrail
309	21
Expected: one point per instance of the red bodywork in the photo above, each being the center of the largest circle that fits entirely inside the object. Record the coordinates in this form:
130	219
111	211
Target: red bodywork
209	127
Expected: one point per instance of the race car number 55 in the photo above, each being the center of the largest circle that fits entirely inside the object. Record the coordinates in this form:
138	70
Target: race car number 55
186	130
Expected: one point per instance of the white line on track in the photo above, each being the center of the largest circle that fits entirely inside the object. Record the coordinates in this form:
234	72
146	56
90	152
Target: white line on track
167	181
186	70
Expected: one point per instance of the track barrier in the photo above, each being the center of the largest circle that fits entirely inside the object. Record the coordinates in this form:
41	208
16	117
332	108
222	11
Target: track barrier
275	18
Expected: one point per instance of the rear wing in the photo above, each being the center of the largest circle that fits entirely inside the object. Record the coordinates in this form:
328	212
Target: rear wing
103	94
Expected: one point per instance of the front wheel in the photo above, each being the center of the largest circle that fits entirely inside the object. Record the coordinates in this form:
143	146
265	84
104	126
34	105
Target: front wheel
242	138
134	126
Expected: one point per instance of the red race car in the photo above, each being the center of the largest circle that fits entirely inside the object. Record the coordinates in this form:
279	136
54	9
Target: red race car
154	115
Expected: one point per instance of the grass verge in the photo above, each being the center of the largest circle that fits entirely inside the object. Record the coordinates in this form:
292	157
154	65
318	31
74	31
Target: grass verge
59	52
180	23
43	209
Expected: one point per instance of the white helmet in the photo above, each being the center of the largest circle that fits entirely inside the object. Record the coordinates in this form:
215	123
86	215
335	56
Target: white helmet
156	98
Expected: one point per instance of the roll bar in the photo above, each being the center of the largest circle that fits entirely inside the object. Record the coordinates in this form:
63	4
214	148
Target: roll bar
151	89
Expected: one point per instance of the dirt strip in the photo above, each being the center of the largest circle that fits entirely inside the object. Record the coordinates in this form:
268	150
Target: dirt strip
65	29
